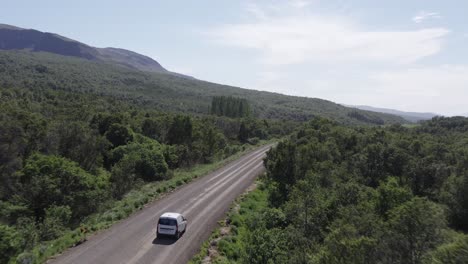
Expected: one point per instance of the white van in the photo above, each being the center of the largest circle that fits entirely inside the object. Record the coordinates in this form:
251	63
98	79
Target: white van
171	224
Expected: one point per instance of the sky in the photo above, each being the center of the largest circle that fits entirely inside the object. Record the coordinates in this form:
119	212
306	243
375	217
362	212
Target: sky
409	55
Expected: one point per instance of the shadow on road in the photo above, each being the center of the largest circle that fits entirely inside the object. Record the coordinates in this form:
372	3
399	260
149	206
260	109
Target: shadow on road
164	241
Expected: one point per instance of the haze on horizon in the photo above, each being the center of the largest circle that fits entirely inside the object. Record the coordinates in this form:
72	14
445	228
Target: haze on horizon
405	55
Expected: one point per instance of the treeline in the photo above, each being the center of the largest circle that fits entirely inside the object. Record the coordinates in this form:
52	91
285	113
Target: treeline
364	195
230	106
65	155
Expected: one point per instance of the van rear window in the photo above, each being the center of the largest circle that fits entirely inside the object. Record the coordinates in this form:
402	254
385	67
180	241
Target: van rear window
167	221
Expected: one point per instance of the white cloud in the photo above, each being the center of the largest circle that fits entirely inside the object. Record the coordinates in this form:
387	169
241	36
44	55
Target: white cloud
337	58
256	11
437	88
421	16
293	37
299	3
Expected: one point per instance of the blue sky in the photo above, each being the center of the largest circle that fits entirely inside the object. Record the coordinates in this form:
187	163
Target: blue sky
404	54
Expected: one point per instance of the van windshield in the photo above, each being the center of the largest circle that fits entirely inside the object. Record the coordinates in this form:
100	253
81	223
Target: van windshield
167	221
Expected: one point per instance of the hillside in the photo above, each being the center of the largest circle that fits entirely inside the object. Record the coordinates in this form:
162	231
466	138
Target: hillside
410	116
14	38
36	70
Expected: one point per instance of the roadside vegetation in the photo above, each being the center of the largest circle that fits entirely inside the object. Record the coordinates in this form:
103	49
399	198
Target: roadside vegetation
336	194
72	163
225	245
118	210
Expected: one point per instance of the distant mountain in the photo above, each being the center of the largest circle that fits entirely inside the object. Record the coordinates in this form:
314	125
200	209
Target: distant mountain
410	116
15	38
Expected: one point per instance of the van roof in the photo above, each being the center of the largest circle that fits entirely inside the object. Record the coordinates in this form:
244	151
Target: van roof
170	215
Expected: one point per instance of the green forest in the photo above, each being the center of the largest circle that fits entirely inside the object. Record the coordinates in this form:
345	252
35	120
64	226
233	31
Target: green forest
165	92
66	155
86	142
340	194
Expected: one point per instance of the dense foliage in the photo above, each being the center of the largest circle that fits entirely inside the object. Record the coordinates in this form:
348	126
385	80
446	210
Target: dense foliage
76	135
230	106
363	195
66	155
162	91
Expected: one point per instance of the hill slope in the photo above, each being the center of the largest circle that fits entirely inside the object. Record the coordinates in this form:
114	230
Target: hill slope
36	70
14	38
410	116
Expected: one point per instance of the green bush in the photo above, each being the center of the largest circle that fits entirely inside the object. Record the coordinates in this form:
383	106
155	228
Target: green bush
48	180
9	244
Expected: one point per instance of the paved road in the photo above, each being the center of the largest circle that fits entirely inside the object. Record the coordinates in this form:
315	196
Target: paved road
204	202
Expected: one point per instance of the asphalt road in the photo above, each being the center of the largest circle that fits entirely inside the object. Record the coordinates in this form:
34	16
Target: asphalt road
204	202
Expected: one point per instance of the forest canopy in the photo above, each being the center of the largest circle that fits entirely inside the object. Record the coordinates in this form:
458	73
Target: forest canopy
65	155
338	194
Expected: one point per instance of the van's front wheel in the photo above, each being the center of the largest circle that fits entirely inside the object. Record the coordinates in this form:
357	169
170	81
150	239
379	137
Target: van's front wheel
177	235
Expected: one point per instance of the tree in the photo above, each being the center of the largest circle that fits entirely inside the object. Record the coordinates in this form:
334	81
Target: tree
21	133
281	170
104	121
265	246
414	228
461	209
375	164
55	222
346	244
243	133
8	243
27	233
49	180
78	142
150	128
176	155
455	252
123	177
150	165
391	195
146	158
119	135
181	130
209	141
230	106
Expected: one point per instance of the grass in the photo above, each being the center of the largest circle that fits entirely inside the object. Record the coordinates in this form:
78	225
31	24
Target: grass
230	246
133	201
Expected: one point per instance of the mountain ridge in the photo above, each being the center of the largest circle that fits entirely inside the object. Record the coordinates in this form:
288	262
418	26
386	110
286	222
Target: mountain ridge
16	38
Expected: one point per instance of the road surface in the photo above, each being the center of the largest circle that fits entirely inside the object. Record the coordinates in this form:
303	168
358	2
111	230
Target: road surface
204	202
